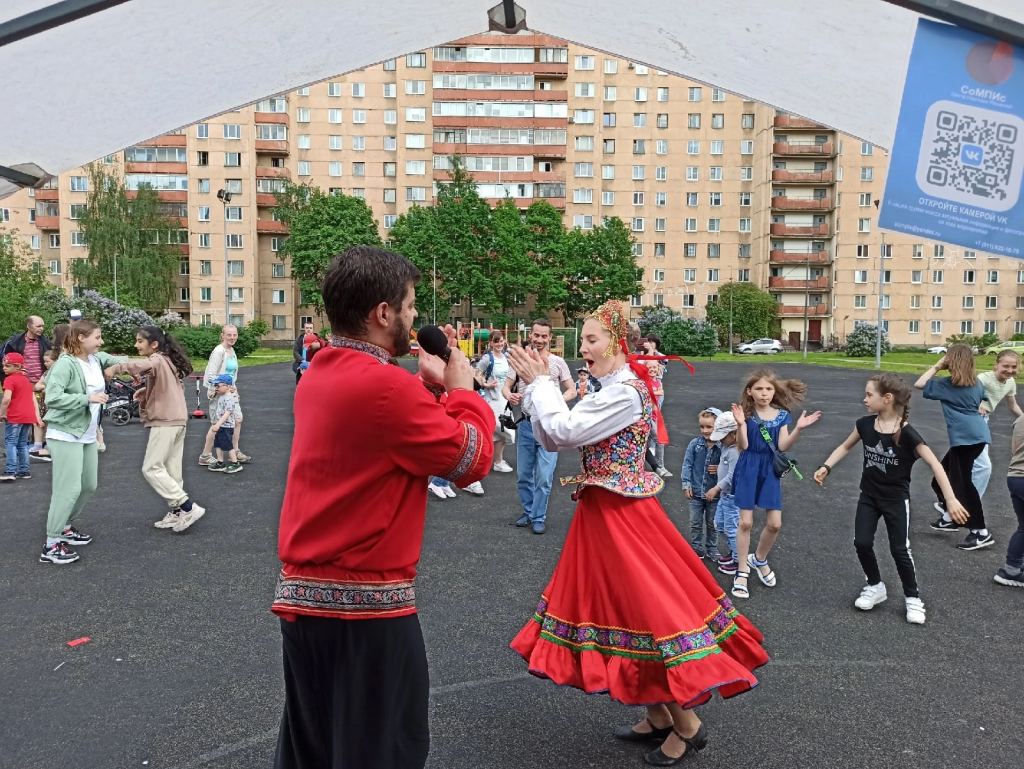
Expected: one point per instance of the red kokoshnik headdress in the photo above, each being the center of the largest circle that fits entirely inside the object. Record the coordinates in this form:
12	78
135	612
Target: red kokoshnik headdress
612	315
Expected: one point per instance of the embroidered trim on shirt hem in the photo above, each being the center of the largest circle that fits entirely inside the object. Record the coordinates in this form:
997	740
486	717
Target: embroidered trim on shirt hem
469	454
360	346
324	596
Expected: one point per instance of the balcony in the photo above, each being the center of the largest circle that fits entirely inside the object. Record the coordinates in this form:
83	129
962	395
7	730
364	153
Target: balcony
268	172
269	226
798	283
271	117
47	195
802	177
799	310
802	148
801	257
168	196
156	168
168	140
266	199
792	121
481	94
441	175
538	69
271	147
801	203
48	222
474	121
808	231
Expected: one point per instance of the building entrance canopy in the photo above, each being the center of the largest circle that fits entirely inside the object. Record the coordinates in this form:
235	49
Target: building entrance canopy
131	70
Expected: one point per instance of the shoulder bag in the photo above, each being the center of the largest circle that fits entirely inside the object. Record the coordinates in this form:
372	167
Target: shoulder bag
782	463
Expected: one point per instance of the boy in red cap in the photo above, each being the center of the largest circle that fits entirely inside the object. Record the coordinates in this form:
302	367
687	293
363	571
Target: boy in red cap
21	410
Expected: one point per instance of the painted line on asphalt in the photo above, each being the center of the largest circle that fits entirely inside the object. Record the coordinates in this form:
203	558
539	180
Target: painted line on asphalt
271	734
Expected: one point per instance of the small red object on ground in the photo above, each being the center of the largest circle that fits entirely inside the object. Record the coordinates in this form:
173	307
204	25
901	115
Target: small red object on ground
79	641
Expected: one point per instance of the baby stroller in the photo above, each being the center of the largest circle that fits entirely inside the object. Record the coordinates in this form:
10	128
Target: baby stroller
121	406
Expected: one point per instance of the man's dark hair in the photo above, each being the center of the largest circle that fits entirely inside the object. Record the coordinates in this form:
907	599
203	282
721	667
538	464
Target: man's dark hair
541	322
654	338
359	279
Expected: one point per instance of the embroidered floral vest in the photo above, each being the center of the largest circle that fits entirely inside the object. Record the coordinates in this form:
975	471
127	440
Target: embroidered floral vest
617	462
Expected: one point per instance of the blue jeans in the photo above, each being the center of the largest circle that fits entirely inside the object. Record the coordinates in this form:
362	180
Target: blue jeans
439	482
727	521
16	443
536	467
702	525
1015	550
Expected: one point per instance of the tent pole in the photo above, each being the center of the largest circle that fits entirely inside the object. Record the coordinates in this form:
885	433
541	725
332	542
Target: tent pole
51	16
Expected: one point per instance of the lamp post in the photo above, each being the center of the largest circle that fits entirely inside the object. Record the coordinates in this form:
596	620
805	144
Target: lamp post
225	197
807	294
881	288
732	291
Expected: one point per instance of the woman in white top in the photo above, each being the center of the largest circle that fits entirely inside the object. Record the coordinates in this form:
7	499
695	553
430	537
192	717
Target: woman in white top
494	364
223	360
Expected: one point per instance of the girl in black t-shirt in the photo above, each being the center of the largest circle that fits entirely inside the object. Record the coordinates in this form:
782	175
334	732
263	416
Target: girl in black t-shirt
891	446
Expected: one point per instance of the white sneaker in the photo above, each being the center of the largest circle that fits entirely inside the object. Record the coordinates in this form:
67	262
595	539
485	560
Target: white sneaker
437	491
168	521
503	467
915	611
475	488
448	491
870	597
207	460
187	519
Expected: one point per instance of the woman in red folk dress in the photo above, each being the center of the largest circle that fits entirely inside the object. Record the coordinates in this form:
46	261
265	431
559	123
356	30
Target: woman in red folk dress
631	610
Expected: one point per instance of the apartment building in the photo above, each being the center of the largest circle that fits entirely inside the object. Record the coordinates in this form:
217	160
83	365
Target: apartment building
714	187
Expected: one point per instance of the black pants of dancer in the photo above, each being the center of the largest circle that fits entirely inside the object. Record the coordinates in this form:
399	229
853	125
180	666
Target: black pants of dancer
356	694
958	464
896	515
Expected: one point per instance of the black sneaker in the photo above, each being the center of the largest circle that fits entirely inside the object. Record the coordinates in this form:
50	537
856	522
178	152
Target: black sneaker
58	553
976	541
23	476
40	457
943	525
217	467
1003	578
233	467
73	536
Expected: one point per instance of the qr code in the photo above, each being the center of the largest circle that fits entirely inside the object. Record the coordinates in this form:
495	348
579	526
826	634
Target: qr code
971	155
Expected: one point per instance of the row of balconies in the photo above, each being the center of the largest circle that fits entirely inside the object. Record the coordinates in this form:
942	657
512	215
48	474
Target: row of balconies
801	202
802	257
813	310
808	147
798	283
809	231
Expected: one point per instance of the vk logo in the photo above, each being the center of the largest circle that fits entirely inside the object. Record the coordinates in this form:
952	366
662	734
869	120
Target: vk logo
971	155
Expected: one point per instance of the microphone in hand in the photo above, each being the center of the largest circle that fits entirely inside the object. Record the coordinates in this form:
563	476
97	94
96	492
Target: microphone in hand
433	341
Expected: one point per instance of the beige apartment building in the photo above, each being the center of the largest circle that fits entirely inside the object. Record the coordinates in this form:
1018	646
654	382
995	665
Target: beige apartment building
715	188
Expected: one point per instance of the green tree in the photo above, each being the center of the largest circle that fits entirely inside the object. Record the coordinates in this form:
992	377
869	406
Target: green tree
547	238
861	342
512	268
129	236
596	266
20	284
320	227
415	236
689	337
754	312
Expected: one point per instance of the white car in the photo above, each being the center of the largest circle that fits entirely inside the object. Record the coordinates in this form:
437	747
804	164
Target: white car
767	346
938	350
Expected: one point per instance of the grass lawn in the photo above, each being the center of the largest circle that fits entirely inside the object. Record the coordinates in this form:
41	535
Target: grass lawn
259	357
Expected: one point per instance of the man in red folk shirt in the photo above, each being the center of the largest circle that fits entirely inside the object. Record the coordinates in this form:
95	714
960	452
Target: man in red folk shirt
355	667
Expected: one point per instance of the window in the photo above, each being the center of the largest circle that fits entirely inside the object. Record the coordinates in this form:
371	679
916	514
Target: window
693	147
277	296
34	242
607	172
692	174
232	159
583	116
638	198
233	213
639	173
334	168
936	326
936	276
204	240
967	327
690	249
715	198
866	148
689	275
662	94
416	60
391	169
917	251
415	114
714	225
304	168
390	90
717	148
584	63
659	249
608	119
610	93
863	225
202	131
693	94
334	115
715	173
79	183
718	120
233	241
968	276
275	246
639	146
391	142
970	254
1020	276
202	158
746	173
691	225
661	147
993	276
990	327
416	193
583	222
662	121
860	301
583	196
236	294
77	209
660	198
639	94
744	251
746	147
639	120
304	143
936	302
359	116
302	115
584	143
611	66
584	170
359	89
915	302
689	300
636	301
867	174
415	167
747	120
659	276
334	89
638	224
745	225
661	173
641	69
54	265
389	221
693	120
204	213
390	116
584	90
743	276
607	198
78	238
205	268
691	199
860	276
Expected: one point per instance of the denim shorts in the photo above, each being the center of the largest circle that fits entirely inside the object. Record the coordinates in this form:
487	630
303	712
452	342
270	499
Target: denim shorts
224	439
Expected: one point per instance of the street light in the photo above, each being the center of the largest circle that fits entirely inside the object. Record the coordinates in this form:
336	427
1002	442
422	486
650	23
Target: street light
881	288
807	294
225	197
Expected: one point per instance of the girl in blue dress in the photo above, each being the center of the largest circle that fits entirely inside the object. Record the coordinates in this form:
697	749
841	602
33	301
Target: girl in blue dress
766	401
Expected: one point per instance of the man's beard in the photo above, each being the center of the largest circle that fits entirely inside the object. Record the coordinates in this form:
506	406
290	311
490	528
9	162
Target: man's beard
400	339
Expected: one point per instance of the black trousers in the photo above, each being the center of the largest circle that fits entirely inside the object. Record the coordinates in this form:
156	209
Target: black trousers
959	464
356	694
897	523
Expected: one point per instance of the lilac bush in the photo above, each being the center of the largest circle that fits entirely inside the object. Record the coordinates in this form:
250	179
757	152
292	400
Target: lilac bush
119	323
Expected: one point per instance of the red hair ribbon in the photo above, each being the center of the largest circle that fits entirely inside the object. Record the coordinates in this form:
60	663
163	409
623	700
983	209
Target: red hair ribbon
645	376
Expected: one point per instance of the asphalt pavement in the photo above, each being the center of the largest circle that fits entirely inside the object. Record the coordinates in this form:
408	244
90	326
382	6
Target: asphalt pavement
182	669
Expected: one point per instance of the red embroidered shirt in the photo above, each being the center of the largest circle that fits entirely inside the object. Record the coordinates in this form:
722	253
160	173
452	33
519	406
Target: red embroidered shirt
367	435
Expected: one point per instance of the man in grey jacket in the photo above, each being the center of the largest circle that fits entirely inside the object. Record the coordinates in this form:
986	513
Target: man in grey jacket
307	328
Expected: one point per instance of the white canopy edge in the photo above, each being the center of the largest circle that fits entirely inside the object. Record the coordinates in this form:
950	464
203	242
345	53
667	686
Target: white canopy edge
94	86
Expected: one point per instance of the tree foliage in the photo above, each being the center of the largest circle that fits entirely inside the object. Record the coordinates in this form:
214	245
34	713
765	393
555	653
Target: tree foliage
20	285
595	266
688	337
754	312
199	341
320	226
981	342
860	343
128	235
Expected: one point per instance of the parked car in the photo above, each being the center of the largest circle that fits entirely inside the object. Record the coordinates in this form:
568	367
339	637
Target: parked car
937	350
766	346
998	348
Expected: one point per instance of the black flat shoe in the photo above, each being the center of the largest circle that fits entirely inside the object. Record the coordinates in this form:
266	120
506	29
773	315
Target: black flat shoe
694	744
627	733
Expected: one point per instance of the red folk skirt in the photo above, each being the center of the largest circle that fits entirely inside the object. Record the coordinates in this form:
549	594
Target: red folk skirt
631	611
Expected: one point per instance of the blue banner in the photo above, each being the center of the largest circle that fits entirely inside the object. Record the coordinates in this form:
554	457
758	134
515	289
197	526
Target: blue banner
958	160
